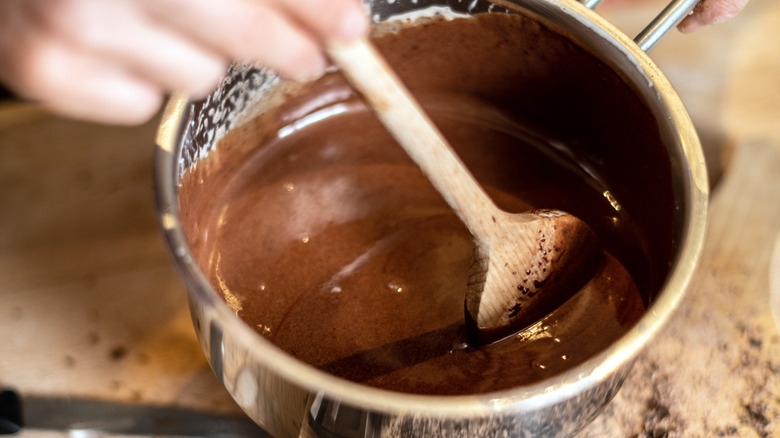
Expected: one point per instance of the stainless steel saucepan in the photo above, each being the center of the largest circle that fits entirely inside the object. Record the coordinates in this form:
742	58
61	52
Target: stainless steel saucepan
290	398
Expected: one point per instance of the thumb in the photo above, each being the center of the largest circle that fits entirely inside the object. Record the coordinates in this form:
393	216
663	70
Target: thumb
709	12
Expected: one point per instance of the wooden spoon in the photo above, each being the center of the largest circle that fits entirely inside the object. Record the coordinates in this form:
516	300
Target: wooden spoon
525	264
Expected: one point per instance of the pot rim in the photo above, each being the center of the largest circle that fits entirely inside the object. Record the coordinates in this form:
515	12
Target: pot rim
519	399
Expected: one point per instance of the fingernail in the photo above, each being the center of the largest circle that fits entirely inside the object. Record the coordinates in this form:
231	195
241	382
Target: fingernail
690	24
316	69
354	24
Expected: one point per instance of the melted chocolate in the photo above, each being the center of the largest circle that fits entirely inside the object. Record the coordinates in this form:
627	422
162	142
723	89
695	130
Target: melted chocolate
323	235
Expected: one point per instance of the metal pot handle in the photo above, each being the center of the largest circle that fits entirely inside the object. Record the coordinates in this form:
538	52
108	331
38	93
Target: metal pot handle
672	15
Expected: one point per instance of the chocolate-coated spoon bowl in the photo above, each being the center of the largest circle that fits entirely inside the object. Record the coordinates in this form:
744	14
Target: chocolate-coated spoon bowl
631	127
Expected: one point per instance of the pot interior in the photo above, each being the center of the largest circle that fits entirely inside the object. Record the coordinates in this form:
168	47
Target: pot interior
600	132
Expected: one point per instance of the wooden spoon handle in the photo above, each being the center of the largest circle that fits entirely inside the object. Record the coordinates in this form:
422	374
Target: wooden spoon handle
370	74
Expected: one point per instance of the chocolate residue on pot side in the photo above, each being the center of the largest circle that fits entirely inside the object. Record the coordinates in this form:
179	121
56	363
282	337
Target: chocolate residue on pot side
325	237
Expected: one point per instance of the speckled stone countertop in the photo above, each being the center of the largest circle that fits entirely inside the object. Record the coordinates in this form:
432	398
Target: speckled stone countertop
91	307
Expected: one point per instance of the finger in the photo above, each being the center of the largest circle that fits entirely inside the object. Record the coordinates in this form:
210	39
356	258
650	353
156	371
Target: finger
122	34
328	19
83	87
710	12
247	30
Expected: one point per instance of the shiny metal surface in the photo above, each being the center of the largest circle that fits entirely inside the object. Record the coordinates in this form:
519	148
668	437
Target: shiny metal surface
94	417
290	398
670	17
591	4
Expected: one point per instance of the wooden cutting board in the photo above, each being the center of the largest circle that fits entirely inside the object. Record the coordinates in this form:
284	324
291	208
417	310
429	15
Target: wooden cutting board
90	305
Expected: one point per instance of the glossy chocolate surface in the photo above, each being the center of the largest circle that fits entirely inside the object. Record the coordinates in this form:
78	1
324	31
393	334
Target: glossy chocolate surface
323	235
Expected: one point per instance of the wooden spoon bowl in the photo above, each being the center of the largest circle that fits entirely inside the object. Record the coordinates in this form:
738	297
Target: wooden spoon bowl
525	264
531	266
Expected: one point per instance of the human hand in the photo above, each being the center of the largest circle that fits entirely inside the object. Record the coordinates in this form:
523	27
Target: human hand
113	61
709	12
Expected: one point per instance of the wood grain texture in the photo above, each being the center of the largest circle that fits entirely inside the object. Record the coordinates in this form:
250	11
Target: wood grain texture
90	305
